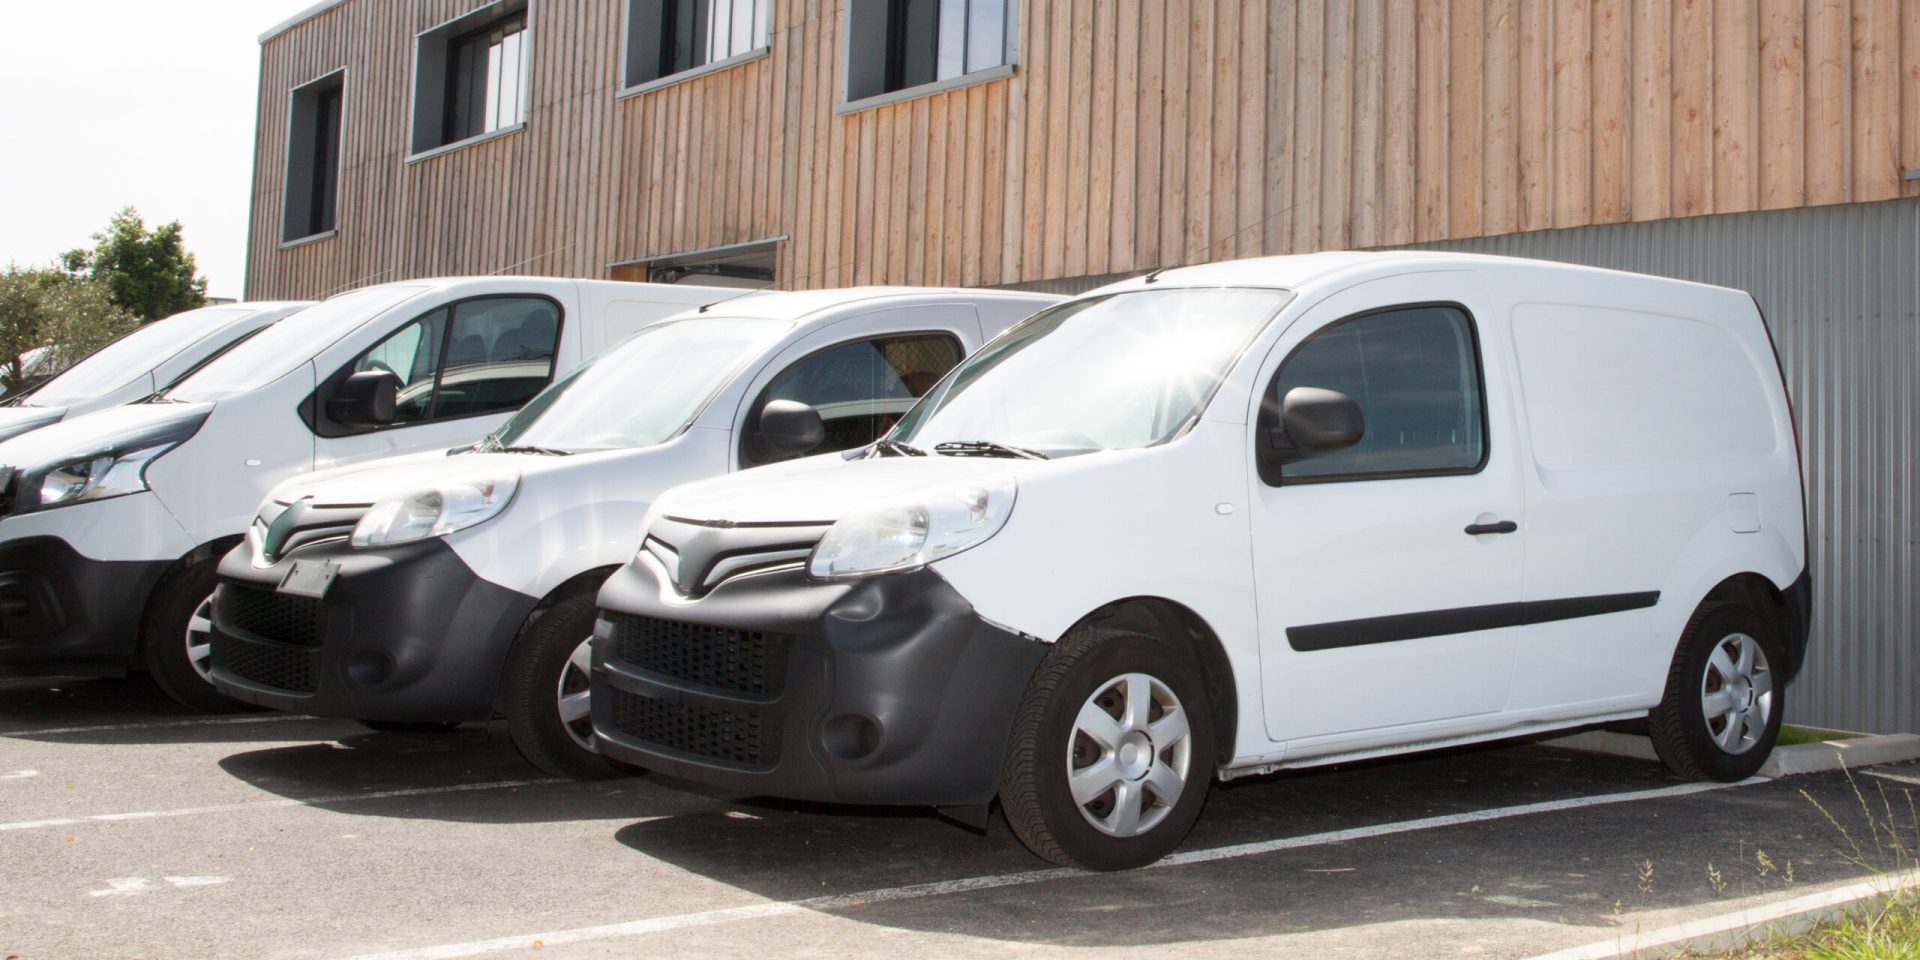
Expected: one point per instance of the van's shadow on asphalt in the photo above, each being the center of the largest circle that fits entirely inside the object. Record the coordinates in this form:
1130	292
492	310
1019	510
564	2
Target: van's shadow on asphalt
1569	867
132	710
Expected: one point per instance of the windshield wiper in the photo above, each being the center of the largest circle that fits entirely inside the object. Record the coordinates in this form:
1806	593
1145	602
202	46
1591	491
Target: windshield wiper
543	451
897	448
986	448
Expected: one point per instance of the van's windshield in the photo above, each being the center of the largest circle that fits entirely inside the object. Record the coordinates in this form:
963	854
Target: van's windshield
642	392
1107	373
118	363
277	350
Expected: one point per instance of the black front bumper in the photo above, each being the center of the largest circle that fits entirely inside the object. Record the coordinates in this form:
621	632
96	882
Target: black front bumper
403	634
886	690
62	614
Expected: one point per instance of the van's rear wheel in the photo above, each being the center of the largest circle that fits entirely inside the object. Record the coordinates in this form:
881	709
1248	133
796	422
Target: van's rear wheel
545	692
1721	712
176	639
1111	752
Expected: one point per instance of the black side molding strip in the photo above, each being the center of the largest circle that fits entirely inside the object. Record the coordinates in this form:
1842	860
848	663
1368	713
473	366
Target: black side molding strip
1440	623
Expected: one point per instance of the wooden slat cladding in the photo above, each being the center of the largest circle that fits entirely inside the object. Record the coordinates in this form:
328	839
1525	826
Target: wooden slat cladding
1134	134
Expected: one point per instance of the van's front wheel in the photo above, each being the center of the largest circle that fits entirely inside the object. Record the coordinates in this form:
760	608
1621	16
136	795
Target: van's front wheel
1720	715
1111	752
545	692
176	639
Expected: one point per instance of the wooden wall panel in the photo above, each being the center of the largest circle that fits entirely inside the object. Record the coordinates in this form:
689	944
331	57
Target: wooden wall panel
1133	134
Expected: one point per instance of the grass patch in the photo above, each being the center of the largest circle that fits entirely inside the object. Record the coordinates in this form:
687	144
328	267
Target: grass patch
1792	736
1890	931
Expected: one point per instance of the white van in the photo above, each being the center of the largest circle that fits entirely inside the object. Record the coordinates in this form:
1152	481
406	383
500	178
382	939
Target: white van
148	359
459	585
1232	518
111	524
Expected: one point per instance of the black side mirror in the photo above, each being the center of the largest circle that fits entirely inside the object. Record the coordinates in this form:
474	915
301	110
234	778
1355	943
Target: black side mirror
366	399
786	429
1313	423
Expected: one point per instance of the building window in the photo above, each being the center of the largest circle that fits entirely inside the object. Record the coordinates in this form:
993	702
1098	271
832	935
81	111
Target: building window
896	45
666	37
313	158
471	78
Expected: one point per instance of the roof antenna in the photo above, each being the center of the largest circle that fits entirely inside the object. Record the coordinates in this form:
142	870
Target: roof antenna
1155	276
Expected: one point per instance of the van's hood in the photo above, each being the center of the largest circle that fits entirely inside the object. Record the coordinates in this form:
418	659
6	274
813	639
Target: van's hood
15	421
821	490
367	483
98	432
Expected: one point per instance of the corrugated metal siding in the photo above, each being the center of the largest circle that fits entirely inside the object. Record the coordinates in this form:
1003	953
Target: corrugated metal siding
1840	287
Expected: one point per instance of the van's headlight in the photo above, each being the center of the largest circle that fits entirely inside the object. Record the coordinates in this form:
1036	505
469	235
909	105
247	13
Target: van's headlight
452	505
100	476
913	531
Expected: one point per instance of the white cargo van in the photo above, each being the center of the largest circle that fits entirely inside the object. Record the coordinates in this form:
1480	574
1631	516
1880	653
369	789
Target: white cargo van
150	358
111	524
1232	518
459	585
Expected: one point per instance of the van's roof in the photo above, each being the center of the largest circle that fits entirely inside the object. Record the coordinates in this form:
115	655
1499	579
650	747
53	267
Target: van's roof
691	291
802	306
1303	271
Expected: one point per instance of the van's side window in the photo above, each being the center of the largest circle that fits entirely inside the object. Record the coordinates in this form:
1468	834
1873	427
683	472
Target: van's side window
861	389
1415	372
487	355
411	353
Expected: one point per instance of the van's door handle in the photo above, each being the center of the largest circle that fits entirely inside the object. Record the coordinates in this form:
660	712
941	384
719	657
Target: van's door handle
1482	529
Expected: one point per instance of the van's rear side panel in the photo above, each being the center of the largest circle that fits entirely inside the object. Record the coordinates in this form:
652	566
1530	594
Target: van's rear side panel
1662	462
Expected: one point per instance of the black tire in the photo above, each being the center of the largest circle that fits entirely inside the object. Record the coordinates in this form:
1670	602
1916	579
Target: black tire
1679	726
409	726
530	692
163	639
1034	790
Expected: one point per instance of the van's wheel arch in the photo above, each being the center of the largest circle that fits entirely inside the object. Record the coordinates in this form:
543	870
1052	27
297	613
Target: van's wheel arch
1112	792
543	689
173	620
1720	713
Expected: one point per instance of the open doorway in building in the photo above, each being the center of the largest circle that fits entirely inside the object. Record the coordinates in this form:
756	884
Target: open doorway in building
749	266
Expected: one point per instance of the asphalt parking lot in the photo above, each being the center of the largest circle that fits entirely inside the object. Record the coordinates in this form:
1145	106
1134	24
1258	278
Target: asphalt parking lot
130	829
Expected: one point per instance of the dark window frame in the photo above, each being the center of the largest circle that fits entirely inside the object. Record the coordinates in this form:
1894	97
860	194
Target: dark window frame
1269	416
436	124
758	399
876	60
316	133
647	59
313	409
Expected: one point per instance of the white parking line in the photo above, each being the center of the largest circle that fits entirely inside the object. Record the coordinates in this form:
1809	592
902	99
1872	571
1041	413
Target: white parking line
707	918
19	775
155	725
264	804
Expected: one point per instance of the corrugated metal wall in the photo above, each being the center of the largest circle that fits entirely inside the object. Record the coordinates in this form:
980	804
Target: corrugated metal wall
1840	286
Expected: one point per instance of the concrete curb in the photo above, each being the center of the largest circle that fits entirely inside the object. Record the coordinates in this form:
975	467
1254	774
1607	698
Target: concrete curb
1731	931
1852	753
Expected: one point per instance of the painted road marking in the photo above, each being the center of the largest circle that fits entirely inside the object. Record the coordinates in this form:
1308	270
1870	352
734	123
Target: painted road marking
19	775
154	725
1897	778
707	918
120	886
285	802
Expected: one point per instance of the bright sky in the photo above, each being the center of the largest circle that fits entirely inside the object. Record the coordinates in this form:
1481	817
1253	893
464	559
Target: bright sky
114	103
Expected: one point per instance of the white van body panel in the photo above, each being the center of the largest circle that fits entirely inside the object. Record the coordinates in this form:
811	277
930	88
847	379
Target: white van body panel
54	400
585	512
1191	521
253	440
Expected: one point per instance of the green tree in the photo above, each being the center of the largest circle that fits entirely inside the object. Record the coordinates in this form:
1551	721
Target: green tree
68	316
147	272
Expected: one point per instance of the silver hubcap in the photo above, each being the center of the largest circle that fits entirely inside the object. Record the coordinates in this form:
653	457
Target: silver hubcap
200	638
576	711
1736	695
1130	751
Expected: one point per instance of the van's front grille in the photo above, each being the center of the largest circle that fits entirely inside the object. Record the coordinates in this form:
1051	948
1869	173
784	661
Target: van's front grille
282	667
752	662
272	615
730	736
